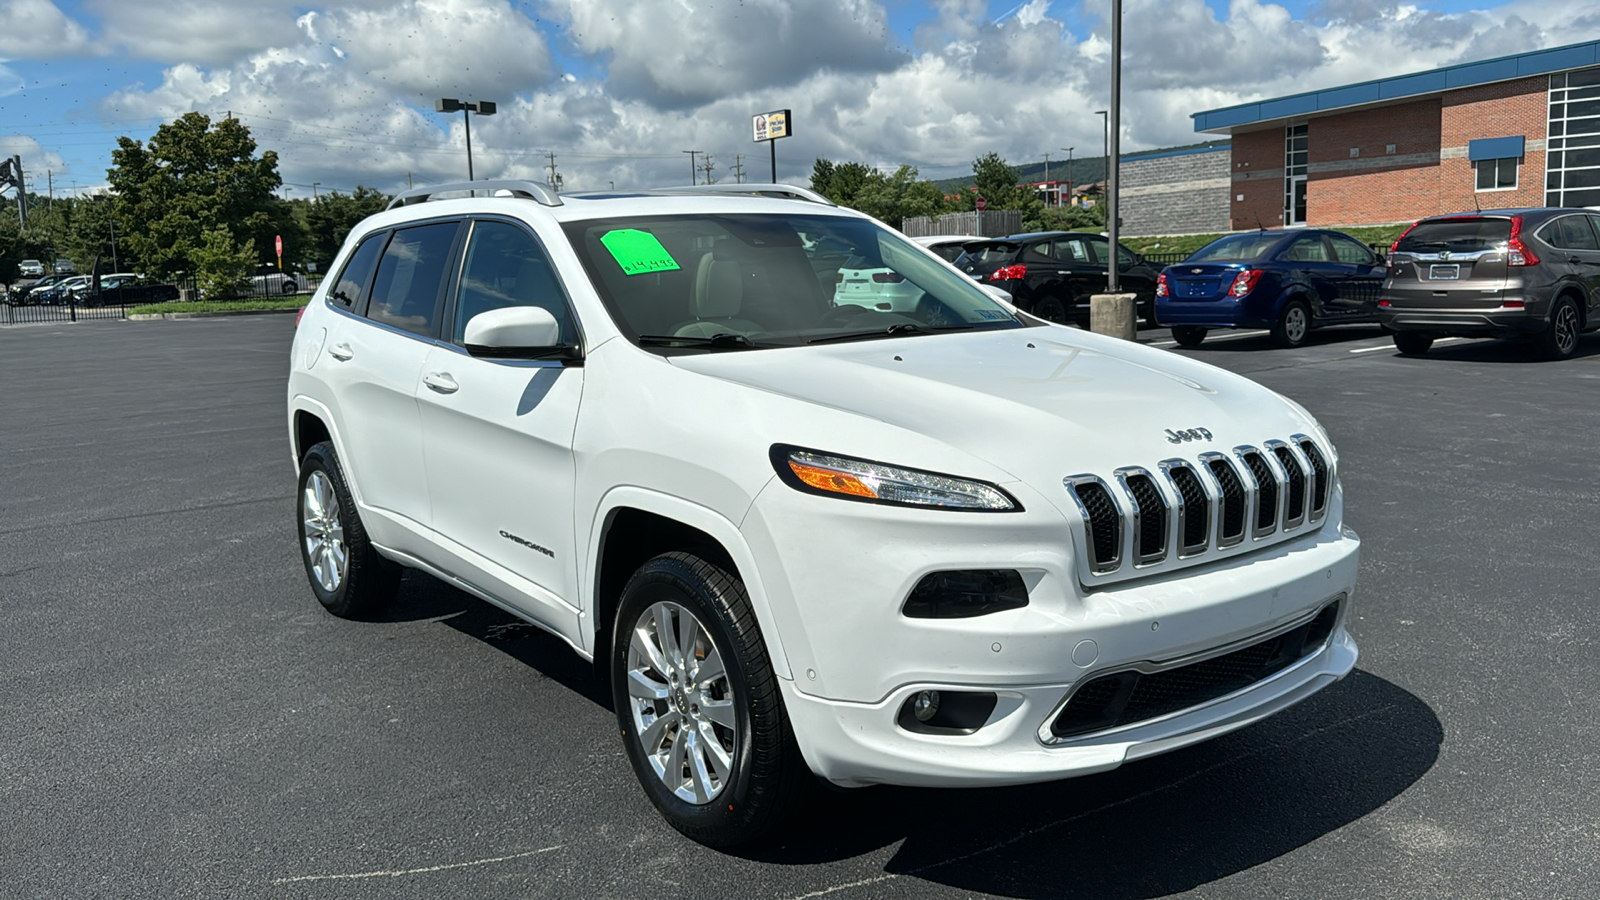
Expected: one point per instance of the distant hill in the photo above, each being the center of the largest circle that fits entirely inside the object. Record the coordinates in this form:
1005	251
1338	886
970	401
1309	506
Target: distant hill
1085	170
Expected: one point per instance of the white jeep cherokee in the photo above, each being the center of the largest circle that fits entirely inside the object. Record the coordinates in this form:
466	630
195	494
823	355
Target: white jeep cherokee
945	545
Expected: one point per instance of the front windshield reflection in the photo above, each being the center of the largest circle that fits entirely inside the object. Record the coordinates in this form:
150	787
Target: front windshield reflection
772	280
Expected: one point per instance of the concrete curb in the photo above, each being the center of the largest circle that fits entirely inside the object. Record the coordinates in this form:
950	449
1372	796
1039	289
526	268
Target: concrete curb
223	313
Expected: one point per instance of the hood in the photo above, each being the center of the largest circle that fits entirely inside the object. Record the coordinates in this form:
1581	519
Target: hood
1039	403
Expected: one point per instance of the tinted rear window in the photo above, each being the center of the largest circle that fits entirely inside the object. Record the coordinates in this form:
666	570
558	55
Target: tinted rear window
1235	248
1456	235
991	253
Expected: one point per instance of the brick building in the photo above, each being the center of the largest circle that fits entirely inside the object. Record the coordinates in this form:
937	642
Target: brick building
1520	130
1174	191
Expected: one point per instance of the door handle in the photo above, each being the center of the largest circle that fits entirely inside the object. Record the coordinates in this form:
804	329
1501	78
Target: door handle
441	382
341	352
1577	261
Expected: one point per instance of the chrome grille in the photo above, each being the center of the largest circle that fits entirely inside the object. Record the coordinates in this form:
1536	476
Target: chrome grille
1214	502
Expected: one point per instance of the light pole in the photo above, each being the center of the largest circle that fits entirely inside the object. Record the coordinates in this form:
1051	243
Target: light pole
1113	148
482	108
1069	173
1105	135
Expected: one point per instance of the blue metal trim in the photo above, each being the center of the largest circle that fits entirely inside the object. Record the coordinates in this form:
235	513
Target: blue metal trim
1220	148
1495	148
1505	68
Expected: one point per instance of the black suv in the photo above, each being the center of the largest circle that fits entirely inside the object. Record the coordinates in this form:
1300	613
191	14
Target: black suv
1052	274
1529	273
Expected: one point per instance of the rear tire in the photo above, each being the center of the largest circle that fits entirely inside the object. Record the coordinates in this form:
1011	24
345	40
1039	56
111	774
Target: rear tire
704	725
1294	325
1559	340
1188	335
349	577
1051	309
1412	343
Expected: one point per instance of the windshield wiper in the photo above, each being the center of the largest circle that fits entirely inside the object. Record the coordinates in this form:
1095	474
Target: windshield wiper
891	331
720	340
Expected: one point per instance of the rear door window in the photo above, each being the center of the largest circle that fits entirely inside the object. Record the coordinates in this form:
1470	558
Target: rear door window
1464	235
410	282
1101	248
357	273
1349	250
1306	248
1571	233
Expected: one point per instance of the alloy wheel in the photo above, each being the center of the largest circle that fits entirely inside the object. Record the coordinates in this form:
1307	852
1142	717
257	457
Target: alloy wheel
682	703
1294	324
1566	328
326	553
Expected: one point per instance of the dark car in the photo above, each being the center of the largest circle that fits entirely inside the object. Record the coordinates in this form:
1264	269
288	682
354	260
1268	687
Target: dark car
30	293
1529	273
1288	281
1053	274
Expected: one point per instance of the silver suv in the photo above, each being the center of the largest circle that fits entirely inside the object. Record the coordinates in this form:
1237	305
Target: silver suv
1524	273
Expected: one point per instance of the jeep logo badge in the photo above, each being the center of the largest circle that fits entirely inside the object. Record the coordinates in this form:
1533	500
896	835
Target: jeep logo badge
1188	434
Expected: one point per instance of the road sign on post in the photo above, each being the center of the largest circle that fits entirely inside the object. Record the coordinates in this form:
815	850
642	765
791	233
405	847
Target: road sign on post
280	252
769	127
982	204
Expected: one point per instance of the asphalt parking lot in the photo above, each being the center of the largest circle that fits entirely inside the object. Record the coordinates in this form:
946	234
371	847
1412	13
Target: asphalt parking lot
179	718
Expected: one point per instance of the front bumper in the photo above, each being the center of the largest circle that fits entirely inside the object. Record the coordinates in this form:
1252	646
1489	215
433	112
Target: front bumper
836	592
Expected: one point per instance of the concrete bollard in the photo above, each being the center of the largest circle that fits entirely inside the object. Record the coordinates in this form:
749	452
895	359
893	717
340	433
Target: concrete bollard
1114	314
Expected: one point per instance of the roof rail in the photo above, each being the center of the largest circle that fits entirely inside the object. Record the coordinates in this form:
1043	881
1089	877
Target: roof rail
780	191
538	191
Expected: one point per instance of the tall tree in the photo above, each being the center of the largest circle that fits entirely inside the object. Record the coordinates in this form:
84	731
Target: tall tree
192	178
330	218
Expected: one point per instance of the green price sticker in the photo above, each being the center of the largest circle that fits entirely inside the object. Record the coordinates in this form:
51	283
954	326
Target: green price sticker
638	252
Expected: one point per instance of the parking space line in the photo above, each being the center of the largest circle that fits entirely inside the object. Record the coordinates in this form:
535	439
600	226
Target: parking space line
1391	347
395	873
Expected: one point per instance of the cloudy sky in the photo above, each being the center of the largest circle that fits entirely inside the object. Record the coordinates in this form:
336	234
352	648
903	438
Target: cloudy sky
343	90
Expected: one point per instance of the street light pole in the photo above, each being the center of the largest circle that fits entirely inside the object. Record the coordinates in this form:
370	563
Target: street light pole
481	107
1113	148
1069	174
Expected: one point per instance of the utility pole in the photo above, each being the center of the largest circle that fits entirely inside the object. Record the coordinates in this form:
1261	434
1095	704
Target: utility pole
50	185
707	164
1047	179
408	181
1069	173
694	171
738	167
314	191
555	177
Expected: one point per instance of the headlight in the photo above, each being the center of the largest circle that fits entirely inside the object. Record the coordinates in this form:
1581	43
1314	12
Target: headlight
870	482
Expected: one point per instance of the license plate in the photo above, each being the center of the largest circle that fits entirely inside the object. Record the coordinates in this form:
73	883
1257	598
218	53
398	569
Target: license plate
1444	273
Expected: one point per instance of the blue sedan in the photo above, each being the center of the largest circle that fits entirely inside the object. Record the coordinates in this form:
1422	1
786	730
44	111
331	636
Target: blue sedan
1288	281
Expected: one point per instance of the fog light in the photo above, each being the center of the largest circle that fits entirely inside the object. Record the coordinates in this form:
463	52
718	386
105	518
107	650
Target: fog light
925	706
964	594
946	712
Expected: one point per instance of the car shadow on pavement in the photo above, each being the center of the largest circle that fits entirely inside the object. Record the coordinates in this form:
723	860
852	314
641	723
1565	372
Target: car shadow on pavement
1154	827
1504	351
423	597
1332	335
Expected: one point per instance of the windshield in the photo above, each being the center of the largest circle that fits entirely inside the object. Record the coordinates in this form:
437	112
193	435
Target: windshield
1236	248
740	282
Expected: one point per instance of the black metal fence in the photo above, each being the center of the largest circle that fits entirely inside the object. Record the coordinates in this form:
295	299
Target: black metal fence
23	308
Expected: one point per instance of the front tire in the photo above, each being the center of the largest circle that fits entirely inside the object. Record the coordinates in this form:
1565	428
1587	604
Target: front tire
349	577
1188	335
698	704
1051	309
1294	325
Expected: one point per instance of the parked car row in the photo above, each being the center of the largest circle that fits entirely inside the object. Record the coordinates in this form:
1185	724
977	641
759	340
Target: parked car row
1525	273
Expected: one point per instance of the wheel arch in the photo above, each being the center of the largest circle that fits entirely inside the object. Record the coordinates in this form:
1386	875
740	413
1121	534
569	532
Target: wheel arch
1576	294
634	525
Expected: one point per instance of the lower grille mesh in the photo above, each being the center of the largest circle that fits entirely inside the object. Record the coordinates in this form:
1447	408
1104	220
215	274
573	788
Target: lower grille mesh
1125	698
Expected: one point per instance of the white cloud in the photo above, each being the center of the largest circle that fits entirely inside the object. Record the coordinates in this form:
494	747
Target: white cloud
35	159
197	32
347	97
37	29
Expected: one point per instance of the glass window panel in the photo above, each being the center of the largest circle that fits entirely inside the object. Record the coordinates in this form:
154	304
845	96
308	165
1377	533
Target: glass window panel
1552	181
1583	108
1349	250
1582	178
1308	248
1588	93
1558	110
353	279
1577	159
1590	197
505	266
1559	80
1583	77
405	293
1485	174
1576	233
1506	173
1558	128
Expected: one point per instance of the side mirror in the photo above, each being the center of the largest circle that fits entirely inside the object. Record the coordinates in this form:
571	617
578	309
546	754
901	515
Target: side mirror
516	332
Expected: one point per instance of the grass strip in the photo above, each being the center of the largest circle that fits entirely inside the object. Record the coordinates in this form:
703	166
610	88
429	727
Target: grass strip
198	306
